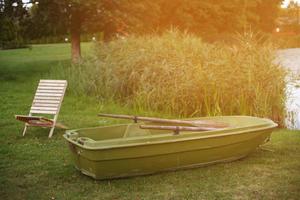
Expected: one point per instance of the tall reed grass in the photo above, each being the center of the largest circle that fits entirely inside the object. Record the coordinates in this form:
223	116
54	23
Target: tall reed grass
179	74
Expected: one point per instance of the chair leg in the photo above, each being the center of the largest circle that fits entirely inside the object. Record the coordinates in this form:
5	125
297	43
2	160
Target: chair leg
51	132
24	131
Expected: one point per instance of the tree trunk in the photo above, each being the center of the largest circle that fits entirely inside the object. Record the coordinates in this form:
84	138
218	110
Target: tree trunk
75	35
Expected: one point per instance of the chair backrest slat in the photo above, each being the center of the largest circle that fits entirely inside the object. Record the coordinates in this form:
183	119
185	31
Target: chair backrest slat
50	112
53	81
50	91
44	101
50	88
43	108
51	85
48	97
53	105
48	94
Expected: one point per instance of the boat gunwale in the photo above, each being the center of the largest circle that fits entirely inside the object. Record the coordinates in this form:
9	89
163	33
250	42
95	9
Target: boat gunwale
217	133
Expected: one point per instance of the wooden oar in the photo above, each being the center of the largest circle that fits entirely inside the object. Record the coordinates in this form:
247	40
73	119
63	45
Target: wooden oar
202	123
176	129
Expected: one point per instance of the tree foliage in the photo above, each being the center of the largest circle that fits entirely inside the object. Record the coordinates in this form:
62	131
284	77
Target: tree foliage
142	16
12	22
48	17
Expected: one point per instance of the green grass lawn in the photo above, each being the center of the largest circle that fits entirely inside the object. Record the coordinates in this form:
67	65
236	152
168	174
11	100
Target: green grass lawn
35	167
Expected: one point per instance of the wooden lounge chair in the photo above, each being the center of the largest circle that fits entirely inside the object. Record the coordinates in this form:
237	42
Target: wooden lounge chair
47	100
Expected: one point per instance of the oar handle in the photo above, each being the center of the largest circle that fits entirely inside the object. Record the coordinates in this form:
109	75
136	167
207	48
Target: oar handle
177	129
134	118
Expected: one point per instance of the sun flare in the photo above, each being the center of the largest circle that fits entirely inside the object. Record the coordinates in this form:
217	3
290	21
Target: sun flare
285	3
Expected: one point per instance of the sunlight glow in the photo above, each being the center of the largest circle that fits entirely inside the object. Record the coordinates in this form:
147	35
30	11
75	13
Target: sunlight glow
285	3
28	4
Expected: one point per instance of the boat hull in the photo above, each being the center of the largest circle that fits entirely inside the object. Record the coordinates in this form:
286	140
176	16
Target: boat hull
148	156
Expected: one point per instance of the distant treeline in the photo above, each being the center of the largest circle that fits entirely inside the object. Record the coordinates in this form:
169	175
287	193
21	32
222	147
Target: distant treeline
43	19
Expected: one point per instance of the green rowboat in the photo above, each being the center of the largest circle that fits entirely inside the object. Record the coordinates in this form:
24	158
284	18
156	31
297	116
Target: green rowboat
128	150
